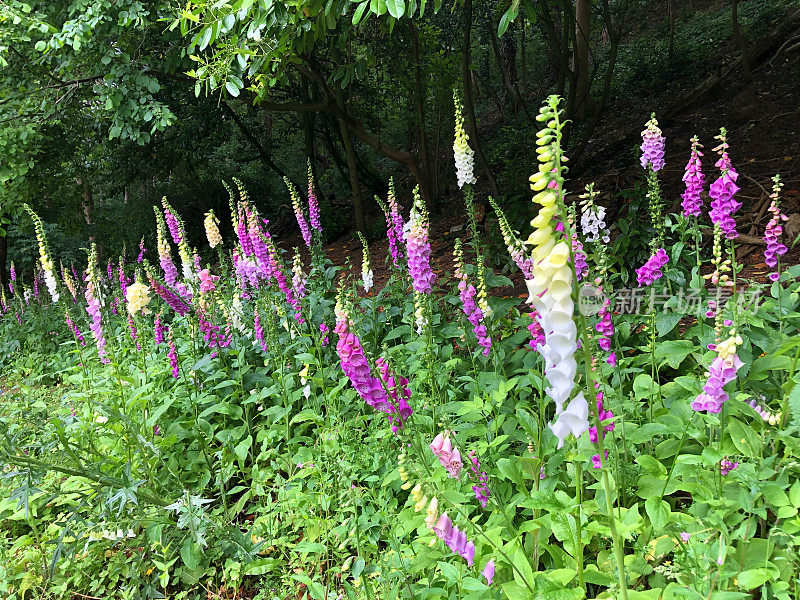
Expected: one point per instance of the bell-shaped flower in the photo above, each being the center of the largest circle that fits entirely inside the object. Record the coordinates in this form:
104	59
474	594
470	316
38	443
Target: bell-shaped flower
573	420
443	527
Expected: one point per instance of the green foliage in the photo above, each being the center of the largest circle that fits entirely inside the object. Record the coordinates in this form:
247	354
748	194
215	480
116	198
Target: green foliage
259	467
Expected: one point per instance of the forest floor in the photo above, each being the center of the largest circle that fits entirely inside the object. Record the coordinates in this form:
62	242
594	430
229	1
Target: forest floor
762	119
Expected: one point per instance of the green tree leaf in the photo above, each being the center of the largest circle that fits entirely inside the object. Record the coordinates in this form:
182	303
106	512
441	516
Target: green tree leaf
396	8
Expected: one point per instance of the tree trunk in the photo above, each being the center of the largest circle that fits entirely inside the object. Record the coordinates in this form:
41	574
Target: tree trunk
598	113
262	151
737	36
327	121
554	24
352	166
523	77
503	66
88	204
357	129
583	23
671	14
469	107
491	93
419	105
309	137
3	259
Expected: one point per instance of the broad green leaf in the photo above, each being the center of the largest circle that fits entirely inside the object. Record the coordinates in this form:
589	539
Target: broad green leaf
243	447
674	351
753	578
666	321
658	511
261	566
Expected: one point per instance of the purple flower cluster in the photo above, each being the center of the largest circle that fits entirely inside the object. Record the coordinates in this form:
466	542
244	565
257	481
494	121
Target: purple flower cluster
132	328
399	394
474	314
324	329
455	539
651	270
158	330
259	332
394	246
110	270
356	367
172	224
772	236
722	192
720	373
259	240
313	204
726	466
299	285
481	489
142	251
169	268
652	146
449	457
283	284
172	299
123	281
93	308
763	412
245	239
172	355
536	331
694	179
395	225
418	250
247	271
603	415
301	221
605	327
581	267
74	329
524	263
211	333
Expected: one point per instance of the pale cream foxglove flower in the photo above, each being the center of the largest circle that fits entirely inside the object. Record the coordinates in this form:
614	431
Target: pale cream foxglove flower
550	293
432	513
138	296
212	231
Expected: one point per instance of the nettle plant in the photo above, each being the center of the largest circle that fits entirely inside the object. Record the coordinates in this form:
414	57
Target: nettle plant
241	420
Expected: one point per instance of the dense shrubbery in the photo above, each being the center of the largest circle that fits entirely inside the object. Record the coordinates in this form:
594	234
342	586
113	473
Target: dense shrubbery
246	428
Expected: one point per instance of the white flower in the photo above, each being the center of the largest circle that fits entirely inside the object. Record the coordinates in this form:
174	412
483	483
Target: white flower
574	420
593	223
367	278
50	282
462	153
236	314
